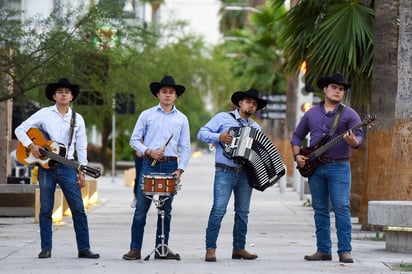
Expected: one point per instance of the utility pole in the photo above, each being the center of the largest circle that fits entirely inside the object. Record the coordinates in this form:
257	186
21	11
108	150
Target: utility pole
304	101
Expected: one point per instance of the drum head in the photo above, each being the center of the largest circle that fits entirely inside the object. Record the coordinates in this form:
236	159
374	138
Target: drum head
158	175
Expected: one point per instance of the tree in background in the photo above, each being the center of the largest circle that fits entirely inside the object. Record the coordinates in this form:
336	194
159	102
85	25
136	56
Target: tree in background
331	36
256	51
389	142
139	57
371	50
231	19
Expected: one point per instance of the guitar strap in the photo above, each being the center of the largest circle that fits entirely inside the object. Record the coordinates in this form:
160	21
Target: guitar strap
250	122
72	124
336	120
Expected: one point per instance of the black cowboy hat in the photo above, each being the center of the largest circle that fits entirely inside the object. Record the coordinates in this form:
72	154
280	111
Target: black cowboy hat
166	81
251	93
62	83
337	78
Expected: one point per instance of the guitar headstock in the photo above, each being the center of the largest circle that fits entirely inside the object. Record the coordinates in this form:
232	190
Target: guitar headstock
369	119
90	171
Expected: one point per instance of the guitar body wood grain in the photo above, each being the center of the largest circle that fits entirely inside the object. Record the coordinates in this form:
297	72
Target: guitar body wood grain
51	151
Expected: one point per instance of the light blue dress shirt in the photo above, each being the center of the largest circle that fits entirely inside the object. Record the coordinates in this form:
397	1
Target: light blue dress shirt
154	126
221	122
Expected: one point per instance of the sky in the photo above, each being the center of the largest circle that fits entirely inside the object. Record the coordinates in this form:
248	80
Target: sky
202	16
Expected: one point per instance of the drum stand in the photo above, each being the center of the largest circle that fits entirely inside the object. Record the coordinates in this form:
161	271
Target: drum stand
161	249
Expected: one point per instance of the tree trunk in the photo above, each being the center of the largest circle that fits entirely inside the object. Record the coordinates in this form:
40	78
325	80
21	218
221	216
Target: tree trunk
389	173
404	98
6	108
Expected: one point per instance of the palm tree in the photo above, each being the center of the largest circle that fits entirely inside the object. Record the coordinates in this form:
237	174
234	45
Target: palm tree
343	35
257	52
230	19
331	36
389	174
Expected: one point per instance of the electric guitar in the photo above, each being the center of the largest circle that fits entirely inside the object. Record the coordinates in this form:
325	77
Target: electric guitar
50	150
314	152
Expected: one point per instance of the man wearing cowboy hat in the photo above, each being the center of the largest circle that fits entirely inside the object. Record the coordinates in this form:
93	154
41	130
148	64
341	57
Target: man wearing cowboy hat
154	127
229	176
56	122
331	180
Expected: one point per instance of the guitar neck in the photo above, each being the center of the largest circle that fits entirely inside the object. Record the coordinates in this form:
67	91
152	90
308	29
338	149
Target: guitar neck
317	153
60	159
92	172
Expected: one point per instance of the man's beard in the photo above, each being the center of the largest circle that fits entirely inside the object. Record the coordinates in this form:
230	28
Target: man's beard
248	112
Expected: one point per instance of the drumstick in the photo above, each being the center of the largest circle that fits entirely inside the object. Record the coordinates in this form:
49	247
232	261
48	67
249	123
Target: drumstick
163	148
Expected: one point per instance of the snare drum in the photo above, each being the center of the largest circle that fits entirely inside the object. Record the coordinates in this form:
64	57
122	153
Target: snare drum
159	183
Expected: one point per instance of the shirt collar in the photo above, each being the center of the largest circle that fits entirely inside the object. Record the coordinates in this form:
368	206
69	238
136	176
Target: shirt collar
322	105
159	108
69	112
239	118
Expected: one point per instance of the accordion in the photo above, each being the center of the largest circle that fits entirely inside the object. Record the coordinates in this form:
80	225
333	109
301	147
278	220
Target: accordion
256	152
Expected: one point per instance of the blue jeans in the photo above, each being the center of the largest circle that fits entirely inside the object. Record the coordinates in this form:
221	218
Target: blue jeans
138	166
225	182
332	182
143	204
66	177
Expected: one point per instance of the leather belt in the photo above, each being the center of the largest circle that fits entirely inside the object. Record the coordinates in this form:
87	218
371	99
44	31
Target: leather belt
231	168
164	159
332	161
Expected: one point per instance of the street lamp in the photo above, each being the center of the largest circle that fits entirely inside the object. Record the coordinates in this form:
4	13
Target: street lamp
304	97
113	139
304	101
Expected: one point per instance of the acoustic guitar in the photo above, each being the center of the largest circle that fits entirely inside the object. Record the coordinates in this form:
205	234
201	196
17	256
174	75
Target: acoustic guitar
50	150
314	152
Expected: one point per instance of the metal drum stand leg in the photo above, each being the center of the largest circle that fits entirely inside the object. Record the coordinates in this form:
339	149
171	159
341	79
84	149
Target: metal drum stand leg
161	249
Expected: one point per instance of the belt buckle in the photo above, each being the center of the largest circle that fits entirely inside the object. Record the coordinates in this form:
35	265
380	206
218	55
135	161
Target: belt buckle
324	161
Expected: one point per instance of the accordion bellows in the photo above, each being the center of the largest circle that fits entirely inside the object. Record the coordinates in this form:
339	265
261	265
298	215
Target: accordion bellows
256	152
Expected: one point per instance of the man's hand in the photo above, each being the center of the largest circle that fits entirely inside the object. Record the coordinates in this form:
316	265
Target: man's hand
350	138
35	150
226	138
178	173
301	160
81	180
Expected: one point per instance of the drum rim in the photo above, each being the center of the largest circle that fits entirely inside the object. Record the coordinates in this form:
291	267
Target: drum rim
158	175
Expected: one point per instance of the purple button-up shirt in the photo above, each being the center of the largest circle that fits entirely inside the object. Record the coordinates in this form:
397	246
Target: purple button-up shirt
318	122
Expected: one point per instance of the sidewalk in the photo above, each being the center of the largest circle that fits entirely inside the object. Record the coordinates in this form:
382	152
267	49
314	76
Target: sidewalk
281	232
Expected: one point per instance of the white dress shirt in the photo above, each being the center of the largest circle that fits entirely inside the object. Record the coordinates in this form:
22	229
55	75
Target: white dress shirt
56	127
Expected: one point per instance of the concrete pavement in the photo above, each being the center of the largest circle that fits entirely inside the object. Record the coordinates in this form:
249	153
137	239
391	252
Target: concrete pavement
281	232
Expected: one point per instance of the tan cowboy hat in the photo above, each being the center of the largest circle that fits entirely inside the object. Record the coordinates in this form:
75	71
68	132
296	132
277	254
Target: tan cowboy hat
62	83
166	81
251	93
